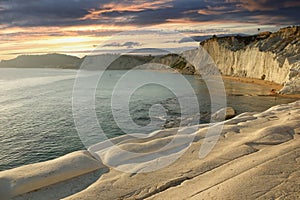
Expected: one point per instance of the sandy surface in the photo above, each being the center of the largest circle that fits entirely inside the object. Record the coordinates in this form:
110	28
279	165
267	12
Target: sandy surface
267	84
257	157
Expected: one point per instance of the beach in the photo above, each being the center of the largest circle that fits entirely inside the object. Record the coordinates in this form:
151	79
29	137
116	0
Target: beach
267	84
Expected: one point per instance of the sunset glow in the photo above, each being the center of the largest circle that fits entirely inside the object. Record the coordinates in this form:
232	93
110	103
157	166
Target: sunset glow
76	27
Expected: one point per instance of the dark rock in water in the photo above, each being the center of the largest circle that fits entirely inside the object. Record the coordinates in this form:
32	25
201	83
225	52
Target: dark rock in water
223	114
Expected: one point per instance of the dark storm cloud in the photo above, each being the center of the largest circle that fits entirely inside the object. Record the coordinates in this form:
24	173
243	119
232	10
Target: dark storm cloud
255	11
44	12
70	12
84	12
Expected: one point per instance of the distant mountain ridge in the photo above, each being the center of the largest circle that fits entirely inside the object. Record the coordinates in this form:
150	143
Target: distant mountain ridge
43	61
63	61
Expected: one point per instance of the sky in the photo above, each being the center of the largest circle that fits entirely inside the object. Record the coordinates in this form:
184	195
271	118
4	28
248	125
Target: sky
77	27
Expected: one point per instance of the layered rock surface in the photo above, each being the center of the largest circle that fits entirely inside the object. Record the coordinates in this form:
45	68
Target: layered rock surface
257	157
270	56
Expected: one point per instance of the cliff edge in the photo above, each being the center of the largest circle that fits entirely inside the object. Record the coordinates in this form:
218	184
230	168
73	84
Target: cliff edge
269	56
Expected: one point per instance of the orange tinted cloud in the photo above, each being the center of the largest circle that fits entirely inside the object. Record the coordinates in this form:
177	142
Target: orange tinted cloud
212	10
23	28
264	19
217	10
135	6
208	12
291	4
15	41
264	5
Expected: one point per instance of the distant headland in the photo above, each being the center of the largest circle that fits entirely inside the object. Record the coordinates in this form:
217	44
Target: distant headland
268	56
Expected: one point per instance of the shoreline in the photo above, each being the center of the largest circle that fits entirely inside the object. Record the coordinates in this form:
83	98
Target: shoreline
251	146
254	155
267	84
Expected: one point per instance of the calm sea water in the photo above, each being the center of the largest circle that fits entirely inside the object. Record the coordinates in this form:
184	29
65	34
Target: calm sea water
36	121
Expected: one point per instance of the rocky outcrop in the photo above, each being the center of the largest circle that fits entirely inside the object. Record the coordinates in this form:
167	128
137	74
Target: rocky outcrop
177	62
256	157
28	178
223	114
269	56
114	61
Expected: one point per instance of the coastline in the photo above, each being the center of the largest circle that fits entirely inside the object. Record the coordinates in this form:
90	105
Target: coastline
267	84
252	146
150	100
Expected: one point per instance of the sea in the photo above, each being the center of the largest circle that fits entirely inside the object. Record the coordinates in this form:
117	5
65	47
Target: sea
37	115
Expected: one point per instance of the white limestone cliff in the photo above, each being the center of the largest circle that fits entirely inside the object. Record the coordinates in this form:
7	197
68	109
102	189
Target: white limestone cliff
270	56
